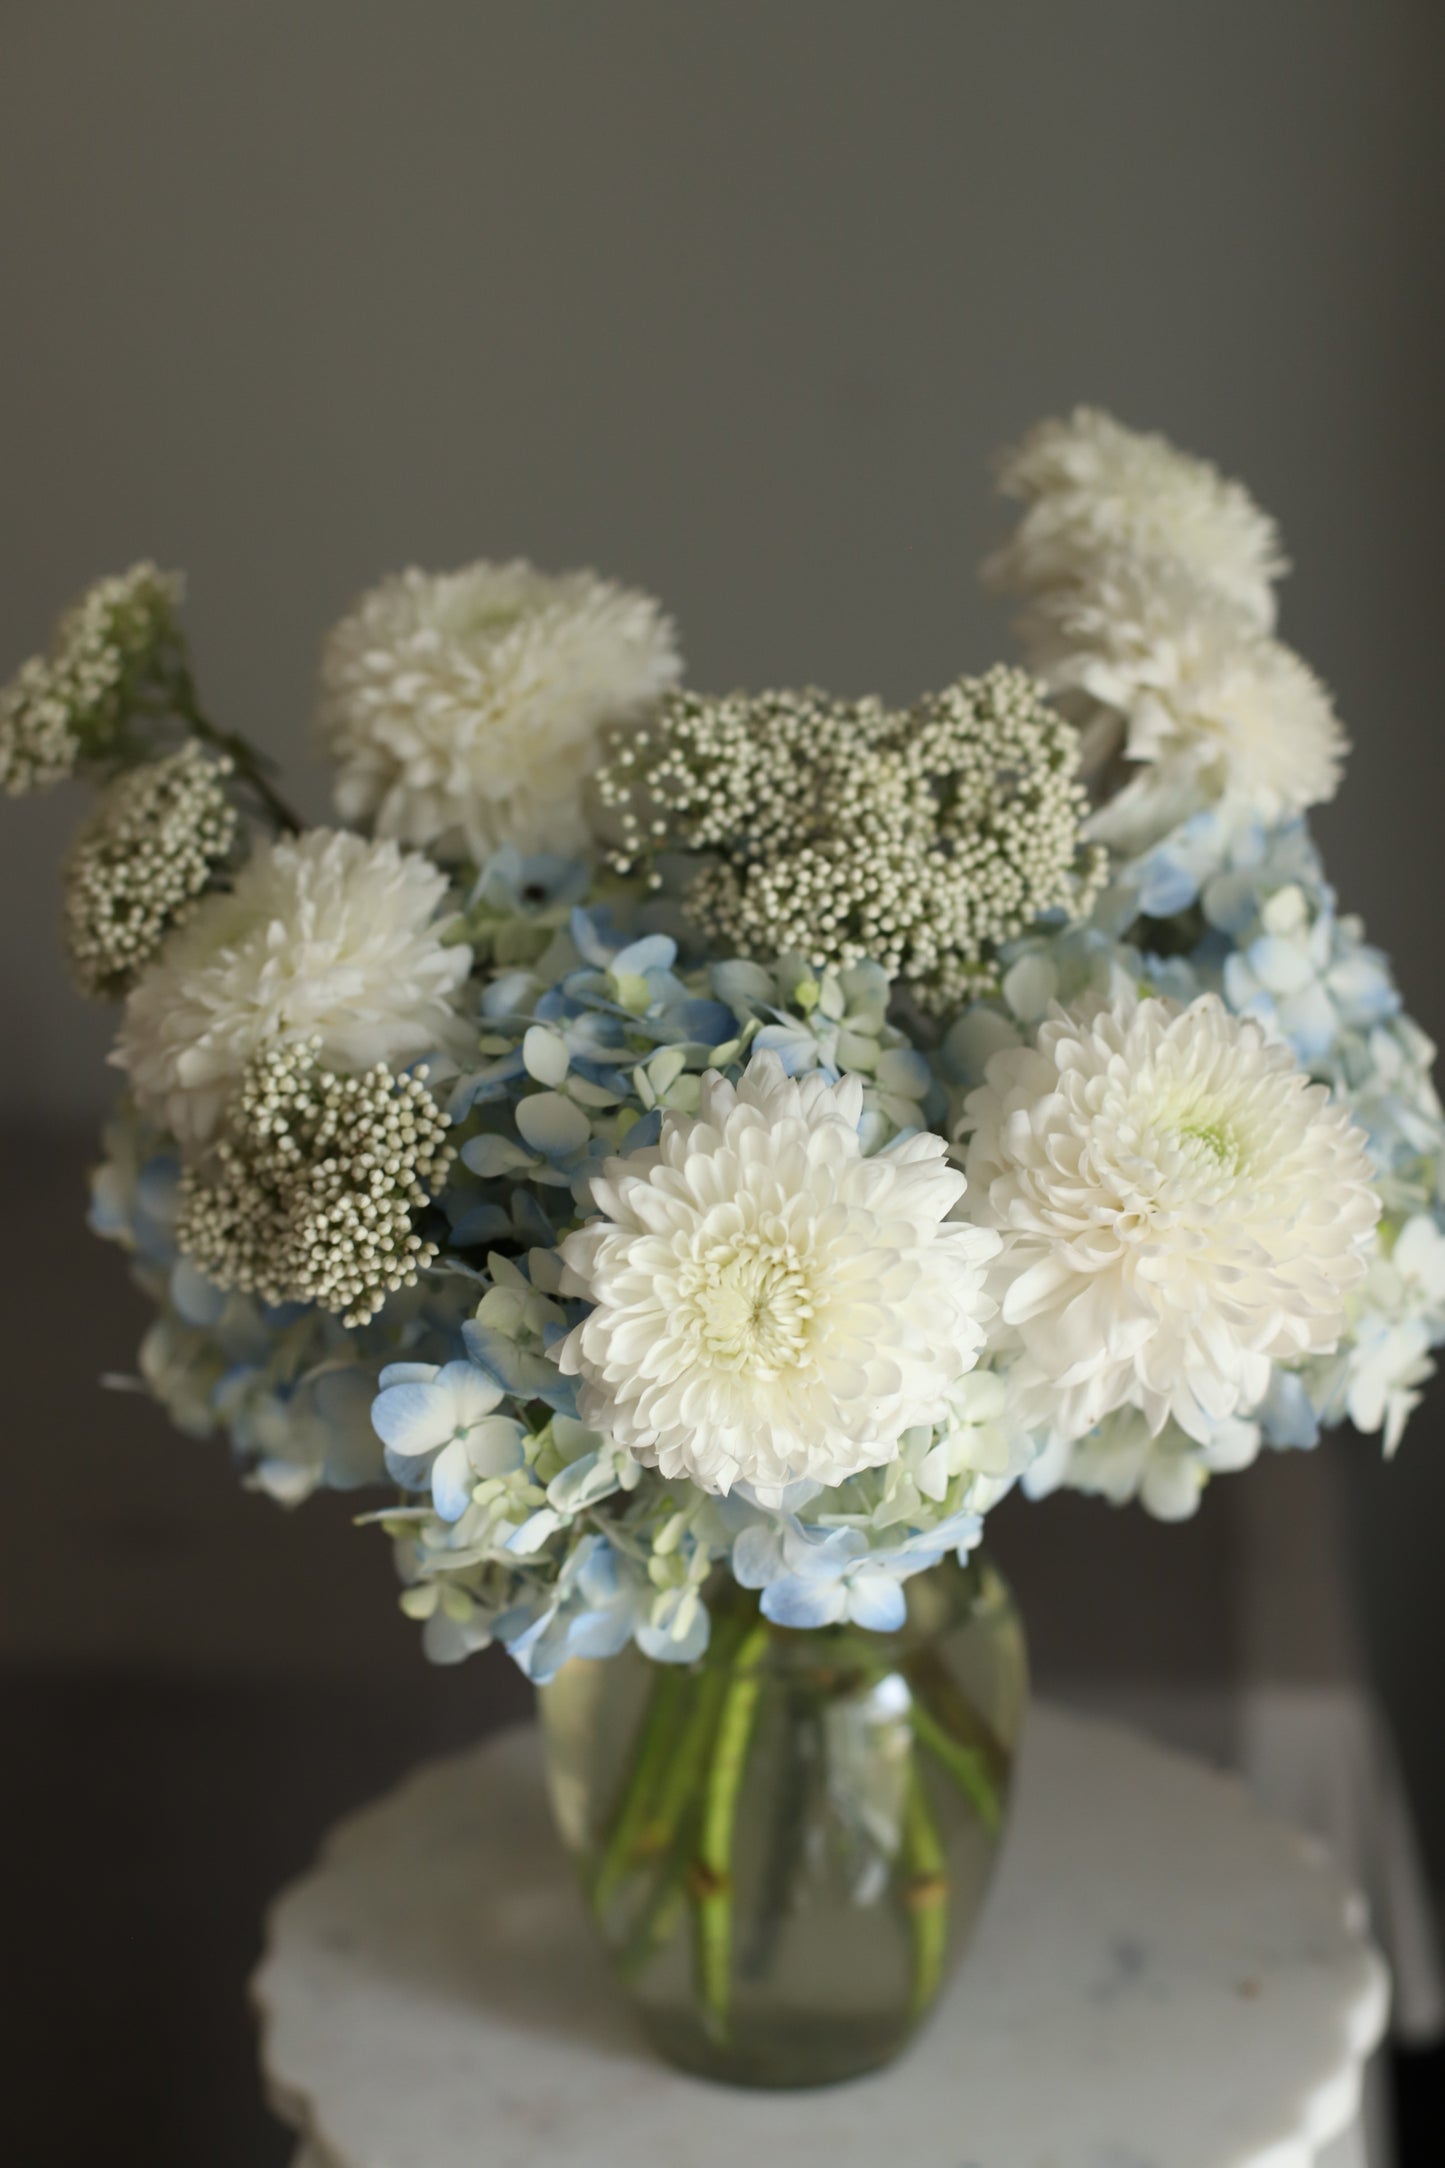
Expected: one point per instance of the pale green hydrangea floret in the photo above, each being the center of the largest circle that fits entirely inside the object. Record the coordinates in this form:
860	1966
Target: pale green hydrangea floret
310	1192
70	705
844	831
135	870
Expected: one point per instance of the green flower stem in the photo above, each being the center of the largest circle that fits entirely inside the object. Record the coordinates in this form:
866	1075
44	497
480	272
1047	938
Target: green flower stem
677	1799
250	765
967	1765
639	1830
975	1755
712	1871
659	1918
802	1743
925	1888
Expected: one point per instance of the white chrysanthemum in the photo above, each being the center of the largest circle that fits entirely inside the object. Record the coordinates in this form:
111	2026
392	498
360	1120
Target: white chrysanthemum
324	936
768	1304
1179	1206
1209	713
465	708
1097	492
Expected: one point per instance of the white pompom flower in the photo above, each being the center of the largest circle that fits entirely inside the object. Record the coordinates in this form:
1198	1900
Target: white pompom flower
326	937
1179	1208
464	710
768	1304
1097	492
1210	714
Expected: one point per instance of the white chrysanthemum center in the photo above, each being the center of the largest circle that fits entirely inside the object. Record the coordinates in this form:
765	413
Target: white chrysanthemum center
1215	1135
767	1303
750	1301
1179	1209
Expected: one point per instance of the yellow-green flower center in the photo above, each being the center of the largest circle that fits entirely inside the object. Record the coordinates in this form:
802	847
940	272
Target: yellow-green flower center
750	1302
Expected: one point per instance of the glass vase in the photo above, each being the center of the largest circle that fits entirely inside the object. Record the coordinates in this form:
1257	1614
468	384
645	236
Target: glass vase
784	1845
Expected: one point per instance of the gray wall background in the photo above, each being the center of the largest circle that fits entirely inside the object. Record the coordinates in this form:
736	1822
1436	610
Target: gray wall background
735	301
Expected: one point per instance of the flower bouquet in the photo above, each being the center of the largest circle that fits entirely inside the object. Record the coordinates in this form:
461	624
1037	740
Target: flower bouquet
688	1157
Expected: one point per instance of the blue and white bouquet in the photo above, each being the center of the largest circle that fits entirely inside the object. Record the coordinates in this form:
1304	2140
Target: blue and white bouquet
660	1138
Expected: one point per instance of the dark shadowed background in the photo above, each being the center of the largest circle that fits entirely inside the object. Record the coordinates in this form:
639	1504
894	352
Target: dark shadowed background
733	301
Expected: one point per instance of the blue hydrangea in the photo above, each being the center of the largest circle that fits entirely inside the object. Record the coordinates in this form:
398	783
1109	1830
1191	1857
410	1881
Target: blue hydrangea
290	1388
815	1576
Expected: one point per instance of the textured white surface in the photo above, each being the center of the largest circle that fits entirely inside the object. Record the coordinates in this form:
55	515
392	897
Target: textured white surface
1163	1978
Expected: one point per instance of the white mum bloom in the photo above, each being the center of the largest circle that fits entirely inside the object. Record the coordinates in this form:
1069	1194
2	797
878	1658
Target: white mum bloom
1098	492
464	708
1179	1209
768	1304
1210	714
325	936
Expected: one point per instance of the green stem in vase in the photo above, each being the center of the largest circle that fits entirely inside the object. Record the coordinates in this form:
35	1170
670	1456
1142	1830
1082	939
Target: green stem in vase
712	1869
677	1798
925	1888
967	1765
959	1736
641	1828
801	1757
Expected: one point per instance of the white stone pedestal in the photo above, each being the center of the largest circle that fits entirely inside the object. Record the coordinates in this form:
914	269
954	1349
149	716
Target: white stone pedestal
1163	1978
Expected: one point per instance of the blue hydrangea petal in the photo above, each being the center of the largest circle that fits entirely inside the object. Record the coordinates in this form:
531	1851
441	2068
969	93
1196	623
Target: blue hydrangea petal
876	1601
492	1157
526	1376
412	1420
496	1445
407	1374
480	1224
794	1601
654	952
1287	1415
198	1300
661	1648
452	1480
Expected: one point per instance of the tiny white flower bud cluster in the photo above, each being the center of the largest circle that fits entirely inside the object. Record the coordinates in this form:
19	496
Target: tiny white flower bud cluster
70	705
309	1194
840	830
136	868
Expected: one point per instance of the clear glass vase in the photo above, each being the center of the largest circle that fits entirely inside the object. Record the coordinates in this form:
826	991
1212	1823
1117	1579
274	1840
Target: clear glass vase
785	1845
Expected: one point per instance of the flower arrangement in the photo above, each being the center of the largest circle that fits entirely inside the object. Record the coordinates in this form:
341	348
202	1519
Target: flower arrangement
677	1135
671	1144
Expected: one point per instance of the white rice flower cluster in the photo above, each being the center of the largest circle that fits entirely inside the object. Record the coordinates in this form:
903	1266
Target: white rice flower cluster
843	831
70	705
463	710
1097	494
323	935
770	1305
1148	582
154	843
309	1193
1179	1209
